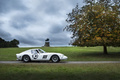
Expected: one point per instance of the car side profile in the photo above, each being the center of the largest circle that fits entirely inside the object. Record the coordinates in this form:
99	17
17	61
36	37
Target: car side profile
40	55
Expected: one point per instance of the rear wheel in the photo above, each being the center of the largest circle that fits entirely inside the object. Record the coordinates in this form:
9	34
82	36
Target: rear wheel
55	59
26	58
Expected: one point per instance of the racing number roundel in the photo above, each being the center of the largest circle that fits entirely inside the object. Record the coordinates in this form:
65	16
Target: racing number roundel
35	56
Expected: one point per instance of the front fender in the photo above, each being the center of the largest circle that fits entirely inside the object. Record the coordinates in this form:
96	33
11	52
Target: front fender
26	55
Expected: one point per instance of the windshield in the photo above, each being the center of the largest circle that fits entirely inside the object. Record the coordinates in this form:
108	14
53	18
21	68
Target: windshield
41	51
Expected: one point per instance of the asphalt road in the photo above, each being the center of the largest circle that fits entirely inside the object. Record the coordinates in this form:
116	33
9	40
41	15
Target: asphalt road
67	62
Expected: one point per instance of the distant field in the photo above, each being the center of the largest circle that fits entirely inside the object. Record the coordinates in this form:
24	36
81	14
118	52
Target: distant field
73	53
38	71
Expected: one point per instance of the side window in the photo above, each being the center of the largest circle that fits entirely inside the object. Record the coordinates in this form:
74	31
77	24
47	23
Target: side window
34	51
37	51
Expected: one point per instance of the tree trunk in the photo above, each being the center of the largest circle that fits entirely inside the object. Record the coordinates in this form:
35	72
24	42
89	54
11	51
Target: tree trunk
105	49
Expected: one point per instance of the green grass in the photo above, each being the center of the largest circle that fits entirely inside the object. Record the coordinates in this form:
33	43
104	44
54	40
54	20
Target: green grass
48	71
10	53
73	53
36	71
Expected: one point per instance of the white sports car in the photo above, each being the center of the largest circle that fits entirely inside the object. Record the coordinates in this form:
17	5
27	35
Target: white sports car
40	55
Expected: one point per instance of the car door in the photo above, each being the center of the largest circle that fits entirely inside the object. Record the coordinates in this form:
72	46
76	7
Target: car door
35	54
43	56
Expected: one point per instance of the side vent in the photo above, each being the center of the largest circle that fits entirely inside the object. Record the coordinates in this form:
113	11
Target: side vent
44	56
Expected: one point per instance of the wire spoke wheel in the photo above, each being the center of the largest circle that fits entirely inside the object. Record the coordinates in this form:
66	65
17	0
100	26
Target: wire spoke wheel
55	59
26	58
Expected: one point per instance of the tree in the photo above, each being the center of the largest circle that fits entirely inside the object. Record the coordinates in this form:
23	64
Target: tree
95	24
14	43
2	43
5	44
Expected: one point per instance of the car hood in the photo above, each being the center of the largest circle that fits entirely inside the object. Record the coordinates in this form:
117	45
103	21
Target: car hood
22	53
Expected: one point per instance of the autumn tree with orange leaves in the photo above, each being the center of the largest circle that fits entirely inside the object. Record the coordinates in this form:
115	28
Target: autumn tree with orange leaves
95	24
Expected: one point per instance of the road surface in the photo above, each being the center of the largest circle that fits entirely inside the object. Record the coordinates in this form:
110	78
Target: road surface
67	62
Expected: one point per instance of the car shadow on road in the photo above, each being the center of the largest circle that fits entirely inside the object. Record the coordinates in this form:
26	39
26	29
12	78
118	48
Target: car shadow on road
45	62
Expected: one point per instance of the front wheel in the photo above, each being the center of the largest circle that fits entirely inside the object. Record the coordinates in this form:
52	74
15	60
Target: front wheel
55	59
26	58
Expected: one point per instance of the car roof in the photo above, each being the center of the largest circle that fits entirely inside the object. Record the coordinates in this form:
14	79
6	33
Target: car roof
29	50
33	49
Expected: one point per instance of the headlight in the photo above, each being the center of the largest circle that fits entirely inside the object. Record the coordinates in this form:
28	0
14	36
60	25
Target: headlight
62	56
19	57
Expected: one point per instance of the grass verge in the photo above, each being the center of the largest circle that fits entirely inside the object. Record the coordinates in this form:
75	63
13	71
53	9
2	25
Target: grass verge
59	71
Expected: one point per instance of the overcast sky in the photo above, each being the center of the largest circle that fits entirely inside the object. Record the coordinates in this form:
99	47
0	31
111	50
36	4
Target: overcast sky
33	21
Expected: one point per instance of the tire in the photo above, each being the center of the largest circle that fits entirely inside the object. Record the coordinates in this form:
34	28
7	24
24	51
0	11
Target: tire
55	59
26	58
